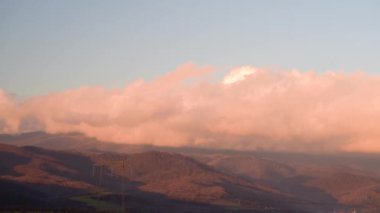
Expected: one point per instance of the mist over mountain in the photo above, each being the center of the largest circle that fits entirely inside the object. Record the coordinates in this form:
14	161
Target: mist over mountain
250	109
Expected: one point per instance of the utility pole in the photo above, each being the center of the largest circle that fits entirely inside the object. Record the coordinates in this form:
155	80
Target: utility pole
100	168
123	188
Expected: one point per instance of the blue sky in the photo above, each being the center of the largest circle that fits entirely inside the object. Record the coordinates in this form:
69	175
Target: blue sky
51	45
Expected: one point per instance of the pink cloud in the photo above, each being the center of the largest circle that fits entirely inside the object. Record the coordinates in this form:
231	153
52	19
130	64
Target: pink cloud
251	108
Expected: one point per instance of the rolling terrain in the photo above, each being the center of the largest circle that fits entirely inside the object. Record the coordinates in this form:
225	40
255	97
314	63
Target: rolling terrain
40	170
54	179
333	187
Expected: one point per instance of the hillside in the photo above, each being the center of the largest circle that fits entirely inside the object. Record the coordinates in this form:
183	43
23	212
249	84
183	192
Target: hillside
334	187
250	166
181	177
158	178
350	189
68	165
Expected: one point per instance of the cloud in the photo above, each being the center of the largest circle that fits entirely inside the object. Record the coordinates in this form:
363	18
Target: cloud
9	120
251	108
238	74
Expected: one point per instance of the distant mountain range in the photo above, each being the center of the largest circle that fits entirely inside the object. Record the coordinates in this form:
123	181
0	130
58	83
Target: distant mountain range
61	171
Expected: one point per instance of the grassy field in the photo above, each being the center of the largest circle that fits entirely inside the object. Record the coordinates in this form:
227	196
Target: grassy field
96	202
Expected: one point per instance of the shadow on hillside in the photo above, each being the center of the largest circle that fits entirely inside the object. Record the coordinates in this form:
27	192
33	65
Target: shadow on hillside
16	195
310	197
9	161
79	166
36	197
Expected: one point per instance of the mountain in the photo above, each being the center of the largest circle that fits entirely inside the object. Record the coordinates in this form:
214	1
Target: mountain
352	189
39	166
66	141
87	173
251	166
331	186
33	177
181	177
50	179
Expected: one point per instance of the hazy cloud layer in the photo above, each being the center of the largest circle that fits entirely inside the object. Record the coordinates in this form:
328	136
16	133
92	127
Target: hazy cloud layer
250	109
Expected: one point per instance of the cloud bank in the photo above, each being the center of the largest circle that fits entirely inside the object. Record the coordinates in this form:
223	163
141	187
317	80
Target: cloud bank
251	108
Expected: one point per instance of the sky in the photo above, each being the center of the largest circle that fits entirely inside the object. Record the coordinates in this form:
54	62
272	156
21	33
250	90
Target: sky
299	76
50	46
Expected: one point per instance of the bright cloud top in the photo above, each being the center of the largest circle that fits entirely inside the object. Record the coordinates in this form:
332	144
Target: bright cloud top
251	108
238	74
